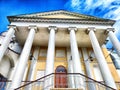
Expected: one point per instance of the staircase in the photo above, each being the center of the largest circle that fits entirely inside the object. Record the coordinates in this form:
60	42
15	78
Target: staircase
87	83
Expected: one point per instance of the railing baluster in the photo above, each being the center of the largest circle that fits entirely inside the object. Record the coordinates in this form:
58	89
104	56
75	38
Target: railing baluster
39	83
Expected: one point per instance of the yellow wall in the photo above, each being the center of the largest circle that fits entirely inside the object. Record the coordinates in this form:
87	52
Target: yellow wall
63	61
41	63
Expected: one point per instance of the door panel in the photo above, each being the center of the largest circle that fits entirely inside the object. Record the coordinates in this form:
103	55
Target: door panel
61	77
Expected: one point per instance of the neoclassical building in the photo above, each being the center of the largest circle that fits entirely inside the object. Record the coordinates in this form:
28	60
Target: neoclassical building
58	50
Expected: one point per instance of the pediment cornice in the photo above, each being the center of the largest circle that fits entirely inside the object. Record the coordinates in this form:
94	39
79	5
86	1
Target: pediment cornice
57	20
47	17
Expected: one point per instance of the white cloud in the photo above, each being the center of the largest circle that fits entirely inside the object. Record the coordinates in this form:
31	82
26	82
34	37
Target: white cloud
89	2
75	3
111	8
117	13
117	28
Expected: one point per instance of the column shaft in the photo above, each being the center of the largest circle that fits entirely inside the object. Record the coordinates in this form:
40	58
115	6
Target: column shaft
50	59
19	72
33	67
6	41
114	41
101	61
76	59
71	83
91	84
33	64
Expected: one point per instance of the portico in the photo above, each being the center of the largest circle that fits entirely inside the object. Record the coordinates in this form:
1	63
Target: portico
50	56
54	39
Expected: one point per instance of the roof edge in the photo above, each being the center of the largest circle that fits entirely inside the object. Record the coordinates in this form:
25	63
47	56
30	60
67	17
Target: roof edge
59	20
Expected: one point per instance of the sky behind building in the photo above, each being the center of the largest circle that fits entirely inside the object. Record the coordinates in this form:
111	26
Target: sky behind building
109	9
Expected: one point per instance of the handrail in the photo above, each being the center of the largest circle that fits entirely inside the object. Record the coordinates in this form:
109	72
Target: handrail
66	74
33	81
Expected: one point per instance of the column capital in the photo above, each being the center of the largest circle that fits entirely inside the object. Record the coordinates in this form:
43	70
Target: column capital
72	28
12	26
109	29
33	27
52	27
89	29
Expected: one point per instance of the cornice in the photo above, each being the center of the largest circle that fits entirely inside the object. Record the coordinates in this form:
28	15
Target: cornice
70	14
60	12
60	20
64	12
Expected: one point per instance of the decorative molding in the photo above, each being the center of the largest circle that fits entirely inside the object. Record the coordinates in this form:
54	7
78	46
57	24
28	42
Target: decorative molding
109	29
52	27
12	26
58	20
72	28
39	15
33	27
89	29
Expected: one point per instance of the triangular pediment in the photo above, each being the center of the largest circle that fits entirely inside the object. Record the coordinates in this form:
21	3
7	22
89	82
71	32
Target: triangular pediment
60	14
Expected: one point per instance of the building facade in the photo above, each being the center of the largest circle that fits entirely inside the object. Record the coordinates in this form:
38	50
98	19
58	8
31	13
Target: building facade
58	50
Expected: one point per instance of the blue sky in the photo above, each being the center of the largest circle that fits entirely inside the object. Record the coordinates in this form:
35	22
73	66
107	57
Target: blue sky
109	9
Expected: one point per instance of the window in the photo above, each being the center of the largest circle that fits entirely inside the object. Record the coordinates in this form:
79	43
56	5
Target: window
60	53
43	53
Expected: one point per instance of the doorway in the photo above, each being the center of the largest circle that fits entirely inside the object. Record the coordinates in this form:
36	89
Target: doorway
61	77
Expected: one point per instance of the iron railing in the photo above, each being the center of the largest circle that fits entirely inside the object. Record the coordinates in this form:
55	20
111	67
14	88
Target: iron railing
65	80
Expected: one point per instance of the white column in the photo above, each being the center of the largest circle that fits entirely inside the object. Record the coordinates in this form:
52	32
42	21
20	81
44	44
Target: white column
50	58
6	41
33	64
32	67
71	83
106	74
113	39
91	84
20	68
75	57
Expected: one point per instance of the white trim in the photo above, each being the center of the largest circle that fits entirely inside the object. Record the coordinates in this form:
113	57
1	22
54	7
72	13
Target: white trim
60	25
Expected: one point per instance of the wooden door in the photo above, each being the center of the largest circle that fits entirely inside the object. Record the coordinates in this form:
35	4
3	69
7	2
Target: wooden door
61	77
